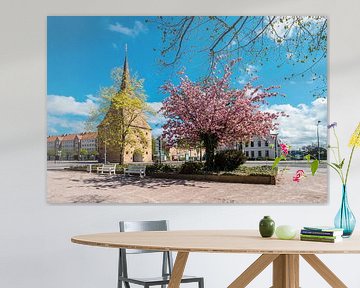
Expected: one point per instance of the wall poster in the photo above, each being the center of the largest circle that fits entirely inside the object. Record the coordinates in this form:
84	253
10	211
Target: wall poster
186	109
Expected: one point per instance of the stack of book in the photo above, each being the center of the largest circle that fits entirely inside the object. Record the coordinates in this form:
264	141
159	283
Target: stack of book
321	234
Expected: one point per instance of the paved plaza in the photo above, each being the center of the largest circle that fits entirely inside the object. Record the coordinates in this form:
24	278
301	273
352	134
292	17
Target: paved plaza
81	187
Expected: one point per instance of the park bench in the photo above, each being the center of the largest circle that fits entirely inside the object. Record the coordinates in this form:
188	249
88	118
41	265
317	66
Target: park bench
106	168
134	169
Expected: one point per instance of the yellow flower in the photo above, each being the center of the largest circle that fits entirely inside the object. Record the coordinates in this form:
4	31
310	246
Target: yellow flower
355	138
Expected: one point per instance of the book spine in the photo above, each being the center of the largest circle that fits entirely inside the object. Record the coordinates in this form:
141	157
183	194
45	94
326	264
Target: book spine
318	236
318	239
319	233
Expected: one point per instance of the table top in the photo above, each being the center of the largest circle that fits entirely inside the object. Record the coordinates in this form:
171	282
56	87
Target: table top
216	241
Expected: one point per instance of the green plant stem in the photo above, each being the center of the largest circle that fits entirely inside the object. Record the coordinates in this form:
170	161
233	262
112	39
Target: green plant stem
339	155
337	171
338	145
332	149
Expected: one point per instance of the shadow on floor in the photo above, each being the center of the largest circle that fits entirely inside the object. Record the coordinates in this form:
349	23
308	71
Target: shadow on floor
116	181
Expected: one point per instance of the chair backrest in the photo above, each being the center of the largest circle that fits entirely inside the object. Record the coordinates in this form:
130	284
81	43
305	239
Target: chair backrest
137	226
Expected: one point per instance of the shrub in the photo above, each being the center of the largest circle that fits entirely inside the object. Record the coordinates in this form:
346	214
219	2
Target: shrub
191	168
120	168
166	168
257	170
229	160
152	168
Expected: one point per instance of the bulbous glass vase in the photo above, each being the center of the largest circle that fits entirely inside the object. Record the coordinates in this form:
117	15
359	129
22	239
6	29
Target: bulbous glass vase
345	219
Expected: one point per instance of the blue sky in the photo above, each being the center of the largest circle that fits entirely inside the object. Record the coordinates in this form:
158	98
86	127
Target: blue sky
82	51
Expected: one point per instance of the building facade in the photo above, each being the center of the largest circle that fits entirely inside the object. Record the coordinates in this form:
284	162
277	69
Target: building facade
182	154
259	148
53	147
72	146
137	143
88	146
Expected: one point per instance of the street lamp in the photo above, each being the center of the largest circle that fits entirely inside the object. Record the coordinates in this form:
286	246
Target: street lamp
59	154
105	141
105	153
159	144
318	138
275	144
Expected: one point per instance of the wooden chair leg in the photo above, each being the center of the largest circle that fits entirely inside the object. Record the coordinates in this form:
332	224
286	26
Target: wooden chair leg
324	271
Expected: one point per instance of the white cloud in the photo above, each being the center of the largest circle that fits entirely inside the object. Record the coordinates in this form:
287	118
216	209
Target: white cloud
132	32
251	69
156	132
242	80
155	105
286	27
247	74
279	29
52	131
313	78
233	43
56	124
156	120
62	105
289	55
299	129
92	97
251	92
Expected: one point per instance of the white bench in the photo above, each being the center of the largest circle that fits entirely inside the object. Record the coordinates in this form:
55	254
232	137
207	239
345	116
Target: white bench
109	168
134	169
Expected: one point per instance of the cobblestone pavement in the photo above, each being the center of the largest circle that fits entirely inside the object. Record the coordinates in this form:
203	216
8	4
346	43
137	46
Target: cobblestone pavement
81	187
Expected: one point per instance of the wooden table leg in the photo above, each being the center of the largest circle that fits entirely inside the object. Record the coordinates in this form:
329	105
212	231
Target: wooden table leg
178	270
286	271
324	271
253	270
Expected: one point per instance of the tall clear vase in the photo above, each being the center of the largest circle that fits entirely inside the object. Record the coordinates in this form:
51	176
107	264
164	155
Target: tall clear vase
345	219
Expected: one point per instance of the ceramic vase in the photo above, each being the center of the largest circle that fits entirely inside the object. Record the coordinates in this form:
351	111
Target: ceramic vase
266	227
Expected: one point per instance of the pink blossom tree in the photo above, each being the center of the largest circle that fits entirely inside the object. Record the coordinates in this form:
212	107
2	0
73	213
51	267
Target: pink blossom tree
213	113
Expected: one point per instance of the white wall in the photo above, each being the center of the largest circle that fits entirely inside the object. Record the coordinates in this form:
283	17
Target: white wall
35	248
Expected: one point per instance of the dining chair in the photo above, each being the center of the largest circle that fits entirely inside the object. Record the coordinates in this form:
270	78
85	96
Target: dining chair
167	260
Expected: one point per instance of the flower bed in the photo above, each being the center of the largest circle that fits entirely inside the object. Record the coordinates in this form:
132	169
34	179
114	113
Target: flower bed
250	175
227	178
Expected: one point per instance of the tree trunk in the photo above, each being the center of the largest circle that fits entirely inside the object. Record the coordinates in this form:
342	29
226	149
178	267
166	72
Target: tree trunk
210	143
122	156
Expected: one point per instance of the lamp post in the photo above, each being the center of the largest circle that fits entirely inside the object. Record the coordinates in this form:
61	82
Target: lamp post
318	139
160	144
275	144
59	154
105	153
105	148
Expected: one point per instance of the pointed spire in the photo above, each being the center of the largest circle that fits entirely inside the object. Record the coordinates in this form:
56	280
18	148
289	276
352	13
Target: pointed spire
126	74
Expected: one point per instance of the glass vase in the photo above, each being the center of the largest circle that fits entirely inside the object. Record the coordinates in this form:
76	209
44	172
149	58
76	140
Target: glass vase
345	219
